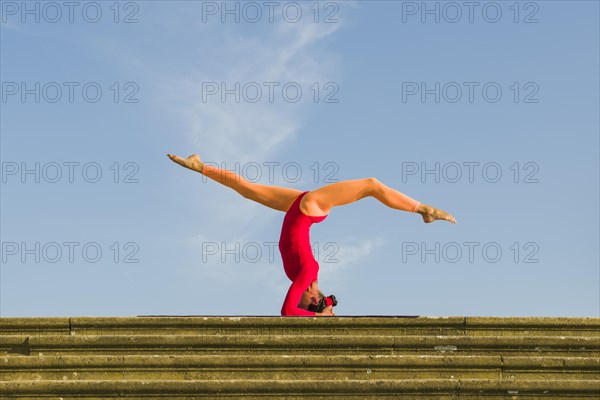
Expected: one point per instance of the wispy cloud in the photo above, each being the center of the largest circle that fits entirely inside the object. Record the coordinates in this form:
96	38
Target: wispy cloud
245	131
348	256
231	132
242	132
333	264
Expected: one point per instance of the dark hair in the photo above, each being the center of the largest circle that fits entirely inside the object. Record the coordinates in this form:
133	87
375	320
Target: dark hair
323	303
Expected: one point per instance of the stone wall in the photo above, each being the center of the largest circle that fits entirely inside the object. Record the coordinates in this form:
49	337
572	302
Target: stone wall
293	357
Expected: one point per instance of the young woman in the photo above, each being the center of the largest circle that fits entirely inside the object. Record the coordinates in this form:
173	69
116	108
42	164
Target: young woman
302	209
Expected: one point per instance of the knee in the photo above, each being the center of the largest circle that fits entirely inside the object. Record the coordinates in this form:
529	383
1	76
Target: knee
373	185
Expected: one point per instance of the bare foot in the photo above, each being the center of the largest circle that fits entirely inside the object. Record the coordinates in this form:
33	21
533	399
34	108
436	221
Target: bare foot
192	162
431	214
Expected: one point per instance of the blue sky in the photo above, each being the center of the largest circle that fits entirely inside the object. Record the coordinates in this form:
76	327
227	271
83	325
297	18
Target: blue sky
489	113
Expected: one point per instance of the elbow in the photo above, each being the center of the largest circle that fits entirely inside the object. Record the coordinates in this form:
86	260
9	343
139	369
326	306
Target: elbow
286	311
289	311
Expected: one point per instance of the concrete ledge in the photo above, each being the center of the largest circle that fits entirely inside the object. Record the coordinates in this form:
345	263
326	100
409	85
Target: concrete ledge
312	367
535	325
291	357
439	344
584	388
37	325
338	325
10	363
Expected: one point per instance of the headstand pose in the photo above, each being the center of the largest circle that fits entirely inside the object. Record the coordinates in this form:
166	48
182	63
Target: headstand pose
302	209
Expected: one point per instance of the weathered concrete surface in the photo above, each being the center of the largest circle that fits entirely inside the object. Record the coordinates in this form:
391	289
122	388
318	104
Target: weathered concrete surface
275	357
289	367
296	387
192	325
294	344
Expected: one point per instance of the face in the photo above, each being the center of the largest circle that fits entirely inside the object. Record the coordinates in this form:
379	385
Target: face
312	295
307	299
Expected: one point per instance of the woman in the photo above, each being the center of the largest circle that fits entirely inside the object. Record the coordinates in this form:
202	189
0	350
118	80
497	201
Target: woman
302	209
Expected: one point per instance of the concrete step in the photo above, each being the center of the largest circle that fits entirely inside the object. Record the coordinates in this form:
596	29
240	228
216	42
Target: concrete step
339	326
293	344
445	388
310	367
293	358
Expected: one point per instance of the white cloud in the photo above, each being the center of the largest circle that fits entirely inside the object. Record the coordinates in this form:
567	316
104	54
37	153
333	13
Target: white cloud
244	132
248	131
233	132
349	255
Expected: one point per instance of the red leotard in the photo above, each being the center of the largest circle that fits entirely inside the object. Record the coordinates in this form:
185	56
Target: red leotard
298	260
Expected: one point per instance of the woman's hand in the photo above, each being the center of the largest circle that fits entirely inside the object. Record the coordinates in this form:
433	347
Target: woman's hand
327	312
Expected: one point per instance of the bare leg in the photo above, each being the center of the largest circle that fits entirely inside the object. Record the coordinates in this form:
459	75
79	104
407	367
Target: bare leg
276	197
346	192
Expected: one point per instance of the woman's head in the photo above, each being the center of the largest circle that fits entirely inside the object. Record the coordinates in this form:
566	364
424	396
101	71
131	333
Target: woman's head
314	300
310	298
323	304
